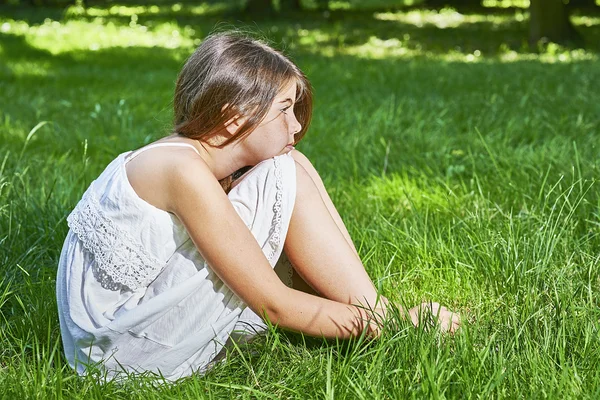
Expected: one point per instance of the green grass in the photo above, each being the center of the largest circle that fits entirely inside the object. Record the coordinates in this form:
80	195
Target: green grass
464	164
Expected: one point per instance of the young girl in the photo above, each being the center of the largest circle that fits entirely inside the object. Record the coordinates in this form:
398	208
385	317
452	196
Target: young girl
168	255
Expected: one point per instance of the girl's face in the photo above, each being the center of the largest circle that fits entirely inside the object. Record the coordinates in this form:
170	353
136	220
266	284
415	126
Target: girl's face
276	131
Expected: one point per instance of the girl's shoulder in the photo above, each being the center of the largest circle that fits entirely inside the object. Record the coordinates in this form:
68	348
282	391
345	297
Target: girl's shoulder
150	170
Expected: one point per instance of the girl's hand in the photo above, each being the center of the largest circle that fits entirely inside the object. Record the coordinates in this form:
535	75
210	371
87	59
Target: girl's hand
433	314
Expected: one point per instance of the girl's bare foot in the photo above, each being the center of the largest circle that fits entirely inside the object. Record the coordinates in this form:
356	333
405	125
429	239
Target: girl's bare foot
433	314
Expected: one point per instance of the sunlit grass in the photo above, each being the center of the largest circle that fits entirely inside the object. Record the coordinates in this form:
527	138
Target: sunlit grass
336	5
201	9
448	18
585	20
511	3
72	35
505	3
380	49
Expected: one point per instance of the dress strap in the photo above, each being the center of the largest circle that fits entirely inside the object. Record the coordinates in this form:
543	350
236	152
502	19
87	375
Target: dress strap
135	153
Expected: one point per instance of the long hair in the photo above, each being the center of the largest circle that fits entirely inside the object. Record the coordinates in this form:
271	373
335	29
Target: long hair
232	74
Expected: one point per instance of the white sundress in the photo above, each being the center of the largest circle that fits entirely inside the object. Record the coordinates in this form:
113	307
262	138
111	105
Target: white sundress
134	293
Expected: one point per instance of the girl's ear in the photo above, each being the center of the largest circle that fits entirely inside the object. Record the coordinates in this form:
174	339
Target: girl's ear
234	123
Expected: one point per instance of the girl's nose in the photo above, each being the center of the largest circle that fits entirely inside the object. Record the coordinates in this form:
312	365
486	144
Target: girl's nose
296	126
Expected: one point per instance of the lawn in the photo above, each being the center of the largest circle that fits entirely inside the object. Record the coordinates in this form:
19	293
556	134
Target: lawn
464	164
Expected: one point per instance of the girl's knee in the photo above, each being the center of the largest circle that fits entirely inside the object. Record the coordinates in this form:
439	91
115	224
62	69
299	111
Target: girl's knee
267	184
304	182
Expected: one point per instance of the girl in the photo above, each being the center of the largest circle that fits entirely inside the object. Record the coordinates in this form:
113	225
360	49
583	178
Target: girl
168	255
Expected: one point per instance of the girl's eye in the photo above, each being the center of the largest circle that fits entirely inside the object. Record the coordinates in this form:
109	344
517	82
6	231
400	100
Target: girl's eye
283	110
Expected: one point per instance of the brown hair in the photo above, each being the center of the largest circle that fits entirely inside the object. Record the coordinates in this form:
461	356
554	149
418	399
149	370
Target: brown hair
233	74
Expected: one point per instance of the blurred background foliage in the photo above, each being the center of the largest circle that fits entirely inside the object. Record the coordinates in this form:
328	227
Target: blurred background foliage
548	20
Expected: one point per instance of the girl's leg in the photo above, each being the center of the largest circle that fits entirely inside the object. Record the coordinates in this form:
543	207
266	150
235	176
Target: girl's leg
312	172
319	251
285	270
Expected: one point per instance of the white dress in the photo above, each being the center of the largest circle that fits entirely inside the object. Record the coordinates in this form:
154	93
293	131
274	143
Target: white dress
134	293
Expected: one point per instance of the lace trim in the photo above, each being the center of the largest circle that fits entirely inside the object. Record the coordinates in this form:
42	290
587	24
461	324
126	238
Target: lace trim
290	273
275	231
120	261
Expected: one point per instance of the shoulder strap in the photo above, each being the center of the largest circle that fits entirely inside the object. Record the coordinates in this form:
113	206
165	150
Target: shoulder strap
150	146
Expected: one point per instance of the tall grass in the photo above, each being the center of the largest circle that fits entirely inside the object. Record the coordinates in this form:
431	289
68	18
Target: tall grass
464	165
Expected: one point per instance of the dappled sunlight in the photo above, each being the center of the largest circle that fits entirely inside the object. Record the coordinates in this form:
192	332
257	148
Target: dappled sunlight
28	69
505	3
401	194
379	49
448	34
201	9
344	5
451	18
444	34
339	5
585	20
60	37
553	54
376	48
448	18
512	3
313	37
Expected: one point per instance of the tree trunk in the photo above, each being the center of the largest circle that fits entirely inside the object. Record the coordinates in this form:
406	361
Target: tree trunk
549	19
322	5
452	3
586	4
259	7
290	5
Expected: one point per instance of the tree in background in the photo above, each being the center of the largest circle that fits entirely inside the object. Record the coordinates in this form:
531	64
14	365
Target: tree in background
452	3
290	5
259	7
582	4
549	20
268	7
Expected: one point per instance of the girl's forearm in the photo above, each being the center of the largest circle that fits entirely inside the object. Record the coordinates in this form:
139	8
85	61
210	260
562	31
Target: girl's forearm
320	317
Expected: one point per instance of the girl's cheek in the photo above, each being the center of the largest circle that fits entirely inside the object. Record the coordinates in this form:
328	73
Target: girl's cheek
285	124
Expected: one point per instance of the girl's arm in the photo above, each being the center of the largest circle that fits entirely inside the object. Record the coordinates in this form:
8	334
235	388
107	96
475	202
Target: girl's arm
228	246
